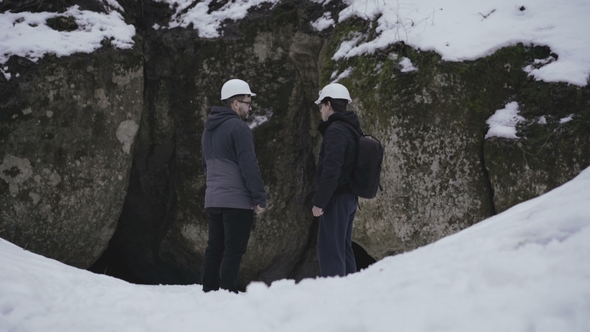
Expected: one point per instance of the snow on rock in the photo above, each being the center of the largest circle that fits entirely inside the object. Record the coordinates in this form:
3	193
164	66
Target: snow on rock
456	29
335	77
503	122
323	22
406	65
467	30
27	35
566	119
208	22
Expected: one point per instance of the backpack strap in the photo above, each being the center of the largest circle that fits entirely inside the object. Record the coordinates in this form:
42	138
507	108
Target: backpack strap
357	135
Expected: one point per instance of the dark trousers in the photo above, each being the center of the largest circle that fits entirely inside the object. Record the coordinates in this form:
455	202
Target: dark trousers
229	232
335	236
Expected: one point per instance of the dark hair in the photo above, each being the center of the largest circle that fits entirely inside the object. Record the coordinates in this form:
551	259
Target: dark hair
339	105
231	99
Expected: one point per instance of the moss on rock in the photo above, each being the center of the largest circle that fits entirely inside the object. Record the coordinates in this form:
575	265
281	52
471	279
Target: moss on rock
439	174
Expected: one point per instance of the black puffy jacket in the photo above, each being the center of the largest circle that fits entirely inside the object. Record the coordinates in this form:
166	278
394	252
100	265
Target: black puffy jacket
337	155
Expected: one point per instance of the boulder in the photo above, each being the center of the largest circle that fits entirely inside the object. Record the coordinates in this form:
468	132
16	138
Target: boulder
162	232
552	147
67	126
440	174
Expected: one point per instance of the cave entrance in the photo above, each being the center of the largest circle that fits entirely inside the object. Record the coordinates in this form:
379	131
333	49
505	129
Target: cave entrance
361	257
111	263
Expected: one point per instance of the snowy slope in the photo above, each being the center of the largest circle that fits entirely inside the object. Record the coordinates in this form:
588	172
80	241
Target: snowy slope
523	270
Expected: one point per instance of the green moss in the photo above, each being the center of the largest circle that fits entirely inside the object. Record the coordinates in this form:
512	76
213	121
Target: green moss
462	96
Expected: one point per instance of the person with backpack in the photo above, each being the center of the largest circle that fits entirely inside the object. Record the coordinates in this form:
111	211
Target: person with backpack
234	188
334	202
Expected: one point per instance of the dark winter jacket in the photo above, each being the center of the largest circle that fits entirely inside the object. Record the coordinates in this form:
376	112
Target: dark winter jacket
233	175
337	156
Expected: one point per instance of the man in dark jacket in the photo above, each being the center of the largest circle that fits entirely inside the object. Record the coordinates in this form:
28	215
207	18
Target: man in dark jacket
234	186
333	201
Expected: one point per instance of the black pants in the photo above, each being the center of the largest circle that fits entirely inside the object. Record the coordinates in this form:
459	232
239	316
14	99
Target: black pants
335	236
229	232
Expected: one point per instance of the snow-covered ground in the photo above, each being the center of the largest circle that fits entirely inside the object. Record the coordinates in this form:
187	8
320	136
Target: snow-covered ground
526	269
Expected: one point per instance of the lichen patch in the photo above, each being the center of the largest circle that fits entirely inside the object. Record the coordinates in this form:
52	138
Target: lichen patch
15	171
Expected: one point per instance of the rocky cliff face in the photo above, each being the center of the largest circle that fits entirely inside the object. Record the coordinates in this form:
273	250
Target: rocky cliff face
112	139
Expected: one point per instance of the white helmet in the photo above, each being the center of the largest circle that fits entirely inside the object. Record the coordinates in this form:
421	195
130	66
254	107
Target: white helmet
235	87
334	90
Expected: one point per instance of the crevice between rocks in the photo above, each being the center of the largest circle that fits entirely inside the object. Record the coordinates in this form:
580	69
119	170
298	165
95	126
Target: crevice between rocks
486	175
111	263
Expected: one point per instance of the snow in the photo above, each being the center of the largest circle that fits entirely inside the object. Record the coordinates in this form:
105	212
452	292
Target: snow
27	34
537	63
542	120
346	46
407	65
6	75
503	122
335	77
209	22
467	30
566	119
323	22
525	269
456	29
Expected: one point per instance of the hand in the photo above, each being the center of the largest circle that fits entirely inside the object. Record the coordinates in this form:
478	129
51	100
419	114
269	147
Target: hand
258	209
317	211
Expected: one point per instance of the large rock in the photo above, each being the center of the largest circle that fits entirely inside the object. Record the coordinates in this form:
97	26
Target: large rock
66	130
162	231
553	145
439	174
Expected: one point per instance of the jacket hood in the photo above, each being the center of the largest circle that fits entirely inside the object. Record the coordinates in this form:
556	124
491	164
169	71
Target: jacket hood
218	115
349	117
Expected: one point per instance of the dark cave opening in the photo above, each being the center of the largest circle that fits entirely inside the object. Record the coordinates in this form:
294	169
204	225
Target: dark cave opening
361	257
111	263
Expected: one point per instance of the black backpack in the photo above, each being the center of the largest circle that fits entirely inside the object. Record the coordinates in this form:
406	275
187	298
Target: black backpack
367	165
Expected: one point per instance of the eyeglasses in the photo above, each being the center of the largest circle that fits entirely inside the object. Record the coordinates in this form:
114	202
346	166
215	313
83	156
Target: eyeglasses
249	103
